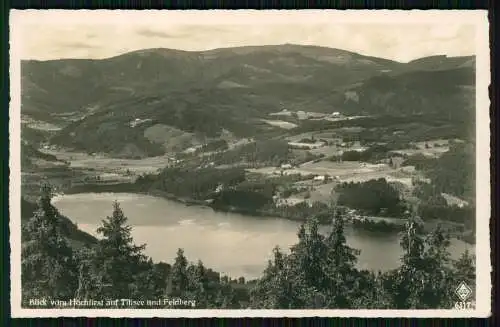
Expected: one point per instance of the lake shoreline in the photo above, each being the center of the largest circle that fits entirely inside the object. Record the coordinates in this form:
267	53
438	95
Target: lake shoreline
367	225
232	243
131	188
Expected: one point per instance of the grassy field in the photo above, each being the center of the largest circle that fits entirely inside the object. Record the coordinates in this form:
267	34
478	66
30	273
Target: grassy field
323	193
280	123
343	171
432	148
111	165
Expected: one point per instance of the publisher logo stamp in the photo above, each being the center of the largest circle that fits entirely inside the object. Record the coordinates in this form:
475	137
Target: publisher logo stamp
463	291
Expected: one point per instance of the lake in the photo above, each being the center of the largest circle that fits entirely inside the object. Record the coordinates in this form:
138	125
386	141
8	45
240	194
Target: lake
229	243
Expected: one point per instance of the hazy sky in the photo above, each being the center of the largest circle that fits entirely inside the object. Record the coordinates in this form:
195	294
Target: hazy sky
401	36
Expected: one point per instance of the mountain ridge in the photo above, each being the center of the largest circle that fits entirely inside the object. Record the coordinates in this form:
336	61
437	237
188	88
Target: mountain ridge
206	92
248	48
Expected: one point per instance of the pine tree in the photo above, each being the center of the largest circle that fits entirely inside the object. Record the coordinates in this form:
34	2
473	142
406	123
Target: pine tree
292	281
369	292
341	275
48	266
87	282
225	296
199	286
465	268
149	281
425	278
275	290
116	261
178	282
319	272
404	283
437	290
308	254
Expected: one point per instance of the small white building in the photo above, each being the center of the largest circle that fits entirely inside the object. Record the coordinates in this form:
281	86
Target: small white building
396	162
300	145
320	178
302	115
454	201
286	166
138	121
408	169
219	188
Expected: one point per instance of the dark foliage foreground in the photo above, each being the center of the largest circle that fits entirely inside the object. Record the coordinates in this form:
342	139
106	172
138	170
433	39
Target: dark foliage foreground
319	271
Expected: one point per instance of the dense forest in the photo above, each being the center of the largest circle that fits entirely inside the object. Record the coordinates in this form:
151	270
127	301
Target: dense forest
453	172
319	271
374	197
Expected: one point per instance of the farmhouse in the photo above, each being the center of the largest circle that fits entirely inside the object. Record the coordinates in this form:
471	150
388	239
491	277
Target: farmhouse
302	114
280	202
138	121
322	178
408	169
454	201
219	188
301	145
284	112
396	162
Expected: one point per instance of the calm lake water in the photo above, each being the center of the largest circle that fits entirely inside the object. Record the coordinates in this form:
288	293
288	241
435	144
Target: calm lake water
230	243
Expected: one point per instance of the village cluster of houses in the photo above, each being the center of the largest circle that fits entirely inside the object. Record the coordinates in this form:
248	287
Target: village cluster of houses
337	142
47	146
138	121
307	146
321	178
307	114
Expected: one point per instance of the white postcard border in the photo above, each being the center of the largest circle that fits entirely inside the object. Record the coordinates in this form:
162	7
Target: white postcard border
477	18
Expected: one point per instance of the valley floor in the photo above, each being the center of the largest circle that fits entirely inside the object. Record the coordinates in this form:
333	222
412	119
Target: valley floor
98	173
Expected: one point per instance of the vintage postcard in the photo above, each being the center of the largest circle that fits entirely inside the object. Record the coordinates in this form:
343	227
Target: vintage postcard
249	163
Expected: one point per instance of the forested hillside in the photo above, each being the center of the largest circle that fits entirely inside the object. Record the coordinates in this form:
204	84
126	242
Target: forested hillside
130	104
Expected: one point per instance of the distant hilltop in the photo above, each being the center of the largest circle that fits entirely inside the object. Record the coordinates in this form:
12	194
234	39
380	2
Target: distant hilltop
185	97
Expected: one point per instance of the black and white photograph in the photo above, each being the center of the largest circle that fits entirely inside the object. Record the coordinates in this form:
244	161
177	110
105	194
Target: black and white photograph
249	163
